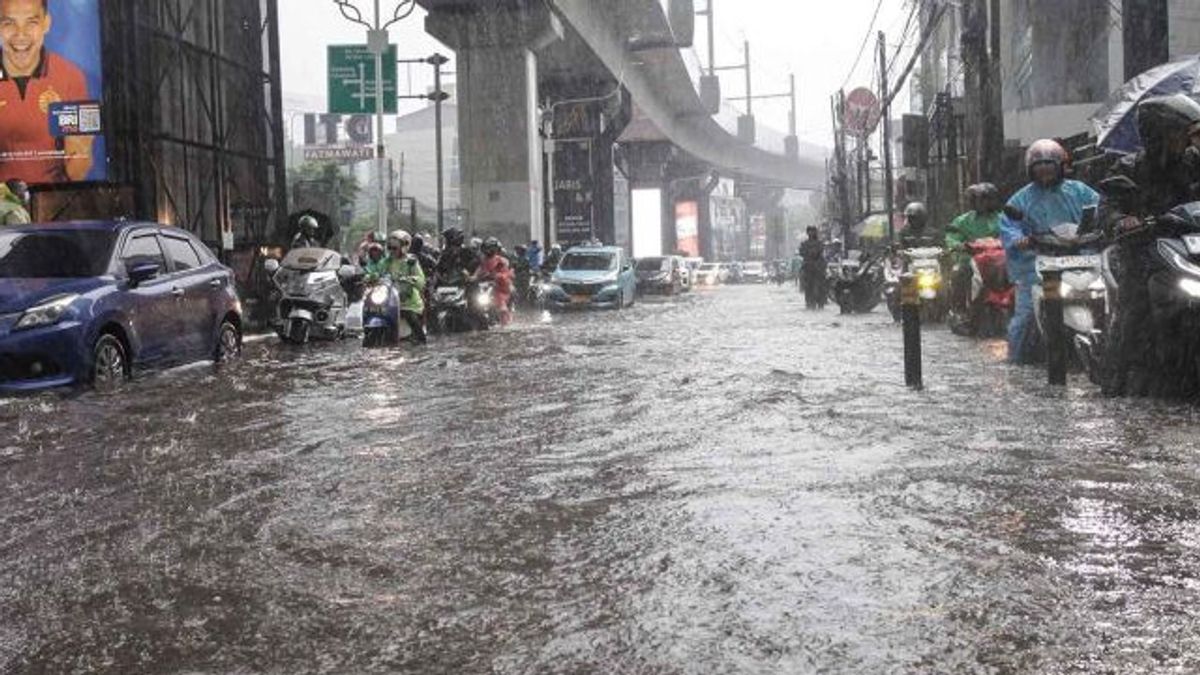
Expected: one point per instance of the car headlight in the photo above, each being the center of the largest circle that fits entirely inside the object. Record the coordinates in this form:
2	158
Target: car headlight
48	313
379	295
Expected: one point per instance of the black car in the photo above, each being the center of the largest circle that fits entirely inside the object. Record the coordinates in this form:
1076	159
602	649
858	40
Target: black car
660	275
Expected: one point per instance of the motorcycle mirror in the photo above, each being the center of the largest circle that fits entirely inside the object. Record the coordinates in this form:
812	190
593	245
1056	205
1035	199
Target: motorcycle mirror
1088	222
271	266
1118	185
347	272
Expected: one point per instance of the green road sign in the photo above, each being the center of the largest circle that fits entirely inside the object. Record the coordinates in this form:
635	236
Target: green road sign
352	80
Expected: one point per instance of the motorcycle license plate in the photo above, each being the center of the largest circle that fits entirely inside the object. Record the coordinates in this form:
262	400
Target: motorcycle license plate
580	299
1069	262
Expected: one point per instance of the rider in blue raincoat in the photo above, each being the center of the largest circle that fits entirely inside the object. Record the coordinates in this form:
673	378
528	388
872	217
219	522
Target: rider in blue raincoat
1050	199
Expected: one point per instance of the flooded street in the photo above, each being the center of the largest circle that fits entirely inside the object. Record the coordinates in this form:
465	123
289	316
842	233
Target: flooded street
723	483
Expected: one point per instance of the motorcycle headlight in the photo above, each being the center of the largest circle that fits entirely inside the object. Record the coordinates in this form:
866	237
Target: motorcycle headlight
1190	286
379	295
483	301
47	313
928	280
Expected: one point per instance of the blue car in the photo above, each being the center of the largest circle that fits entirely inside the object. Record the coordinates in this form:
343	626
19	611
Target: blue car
91	302
600	276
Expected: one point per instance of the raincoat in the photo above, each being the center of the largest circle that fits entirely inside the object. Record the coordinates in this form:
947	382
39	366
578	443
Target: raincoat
1044	208
12	211
375	268
972	226
406	270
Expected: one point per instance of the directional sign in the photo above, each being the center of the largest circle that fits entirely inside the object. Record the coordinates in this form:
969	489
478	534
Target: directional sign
862	112
352	80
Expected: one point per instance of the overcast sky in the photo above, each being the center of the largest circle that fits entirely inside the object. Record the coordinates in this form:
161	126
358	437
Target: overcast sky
816	39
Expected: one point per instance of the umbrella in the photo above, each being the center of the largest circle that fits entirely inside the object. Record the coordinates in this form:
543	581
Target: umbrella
1116	122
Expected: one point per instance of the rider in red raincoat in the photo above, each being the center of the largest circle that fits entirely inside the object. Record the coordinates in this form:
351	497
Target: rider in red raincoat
495	268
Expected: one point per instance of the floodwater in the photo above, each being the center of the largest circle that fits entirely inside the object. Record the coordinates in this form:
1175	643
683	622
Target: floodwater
722	483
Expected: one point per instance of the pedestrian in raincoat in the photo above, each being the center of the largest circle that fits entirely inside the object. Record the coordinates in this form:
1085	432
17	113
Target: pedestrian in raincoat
981	222
1050	199
12	210
405	272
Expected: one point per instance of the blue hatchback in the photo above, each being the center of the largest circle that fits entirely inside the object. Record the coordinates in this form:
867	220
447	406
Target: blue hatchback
90	302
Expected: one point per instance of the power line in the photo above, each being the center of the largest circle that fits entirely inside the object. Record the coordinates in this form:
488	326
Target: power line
862	48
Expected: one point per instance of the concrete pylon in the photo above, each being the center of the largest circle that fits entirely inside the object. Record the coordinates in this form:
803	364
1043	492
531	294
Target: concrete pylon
500	145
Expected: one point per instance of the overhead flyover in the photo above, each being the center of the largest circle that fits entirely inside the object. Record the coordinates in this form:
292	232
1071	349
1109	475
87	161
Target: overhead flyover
633	39
518	60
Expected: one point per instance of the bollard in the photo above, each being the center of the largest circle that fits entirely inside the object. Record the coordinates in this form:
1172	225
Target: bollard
910	316
1056	334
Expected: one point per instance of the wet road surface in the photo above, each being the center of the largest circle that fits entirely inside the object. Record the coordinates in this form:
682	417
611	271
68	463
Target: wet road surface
722	483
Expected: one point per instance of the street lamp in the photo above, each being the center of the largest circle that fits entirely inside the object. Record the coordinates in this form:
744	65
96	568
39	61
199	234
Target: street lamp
377	45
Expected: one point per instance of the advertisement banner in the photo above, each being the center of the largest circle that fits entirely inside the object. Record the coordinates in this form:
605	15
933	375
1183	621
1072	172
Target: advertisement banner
573	192
687	228
51	83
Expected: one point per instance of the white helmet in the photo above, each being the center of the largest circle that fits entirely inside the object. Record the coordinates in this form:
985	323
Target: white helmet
400	238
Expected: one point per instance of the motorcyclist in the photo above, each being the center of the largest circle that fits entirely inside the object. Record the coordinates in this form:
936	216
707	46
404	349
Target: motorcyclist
917	233
306	236
364	246
523	272
456	264
812	255
495	268
374	261
533	255
981	222
420	250
550	264
1167	174
1048	200
409	280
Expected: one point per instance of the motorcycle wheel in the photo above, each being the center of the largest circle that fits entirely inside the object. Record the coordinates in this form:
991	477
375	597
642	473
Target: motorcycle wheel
298	331
374	338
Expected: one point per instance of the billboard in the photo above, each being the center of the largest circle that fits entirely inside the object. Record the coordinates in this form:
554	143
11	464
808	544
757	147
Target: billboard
687	228
51	85
647	222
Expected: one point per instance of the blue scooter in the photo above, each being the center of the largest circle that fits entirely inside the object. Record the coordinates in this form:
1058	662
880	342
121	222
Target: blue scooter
382	325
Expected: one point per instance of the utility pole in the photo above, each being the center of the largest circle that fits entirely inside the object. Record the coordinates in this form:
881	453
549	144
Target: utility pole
889	207
438	97
749	84
378	45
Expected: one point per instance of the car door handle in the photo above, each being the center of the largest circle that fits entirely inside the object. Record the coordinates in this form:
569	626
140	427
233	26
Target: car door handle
177	292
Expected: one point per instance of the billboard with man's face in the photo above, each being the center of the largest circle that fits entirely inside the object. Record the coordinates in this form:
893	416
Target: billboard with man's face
51	83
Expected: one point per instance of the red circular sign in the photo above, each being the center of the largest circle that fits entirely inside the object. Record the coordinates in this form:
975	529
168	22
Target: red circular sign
862	112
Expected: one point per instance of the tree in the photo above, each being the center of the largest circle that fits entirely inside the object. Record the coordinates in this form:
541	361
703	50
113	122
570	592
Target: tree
336	190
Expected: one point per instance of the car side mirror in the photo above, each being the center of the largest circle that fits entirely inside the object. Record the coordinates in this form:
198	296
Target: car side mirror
271	266
140	273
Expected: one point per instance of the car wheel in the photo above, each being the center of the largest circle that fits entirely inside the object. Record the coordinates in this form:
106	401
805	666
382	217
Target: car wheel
110	362
229	342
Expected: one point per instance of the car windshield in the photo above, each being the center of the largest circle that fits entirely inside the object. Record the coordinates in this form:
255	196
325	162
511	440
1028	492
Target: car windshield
754	266
710	267
654	265
55	254
588	262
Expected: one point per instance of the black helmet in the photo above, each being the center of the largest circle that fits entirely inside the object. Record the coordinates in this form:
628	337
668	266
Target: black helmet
492	246
916	214
454	236
984	198
1162	117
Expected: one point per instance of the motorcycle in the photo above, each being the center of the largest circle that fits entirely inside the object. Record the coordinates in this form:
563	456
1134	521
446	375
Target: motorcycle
461	309
926	264
312	300
1084	294
382	325
991	297
858	284
1172	243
